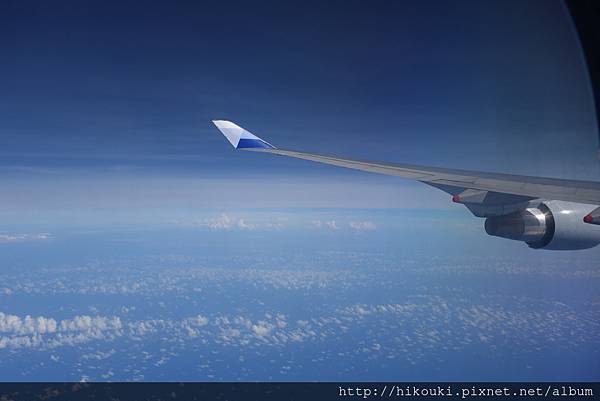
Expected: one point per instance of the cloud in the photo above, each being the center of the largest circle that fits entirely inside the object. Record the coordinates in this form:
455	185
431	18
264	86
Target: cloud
242	225
198	320
262	328
274	221
223	222
37	332
24	237
28	325
354	225
420	328
227	222
327	224
363	225
90	324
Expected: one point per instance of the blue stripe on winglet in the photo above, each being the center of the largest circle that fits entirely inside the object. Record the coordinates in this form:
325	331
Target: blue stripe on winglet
245	143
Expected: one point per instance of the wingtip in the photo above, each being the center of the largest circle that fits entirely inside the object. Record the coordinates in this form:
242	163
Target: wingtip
239	137
224	124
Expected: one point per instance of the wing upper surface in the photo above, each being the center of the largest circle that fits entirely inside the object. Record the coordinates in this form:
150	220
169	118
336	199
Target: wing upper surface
525	186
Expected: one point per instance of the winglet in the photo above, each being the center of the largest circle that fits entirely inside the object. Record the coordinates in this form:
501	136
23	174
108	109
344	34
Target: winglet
239	137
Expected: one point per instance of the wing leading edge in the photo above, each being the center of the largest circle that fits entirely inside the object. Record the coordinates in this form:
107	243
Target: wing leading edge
475	189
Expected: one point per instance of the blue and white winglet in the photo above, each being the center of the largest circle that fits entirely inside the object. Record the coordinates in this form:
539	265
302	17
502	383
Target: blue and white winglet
239	137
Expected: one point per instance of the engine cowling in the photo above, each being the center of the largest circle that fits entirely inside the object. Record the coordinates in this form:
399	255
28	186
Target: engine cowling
555	225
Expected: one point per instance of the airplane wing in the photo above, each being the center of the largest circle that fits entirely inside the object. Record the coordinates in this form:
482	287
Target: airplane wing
485	194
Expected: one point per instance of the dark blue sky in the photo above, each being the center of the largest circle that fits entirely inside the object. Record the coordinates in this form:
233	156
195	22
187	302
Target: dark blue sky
113	95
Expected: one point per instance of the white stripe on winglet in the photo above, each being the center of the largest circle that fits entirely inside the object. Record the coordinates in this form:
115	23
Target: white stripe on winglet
232	132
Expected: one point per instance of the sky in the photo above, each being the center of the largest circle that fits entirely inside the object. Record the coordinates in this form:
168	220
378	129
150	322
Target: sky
107	106
137	244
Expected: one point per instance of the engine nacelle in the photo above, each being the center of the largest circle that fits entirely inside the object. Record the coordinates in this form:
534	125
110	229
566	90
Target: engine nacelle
556	225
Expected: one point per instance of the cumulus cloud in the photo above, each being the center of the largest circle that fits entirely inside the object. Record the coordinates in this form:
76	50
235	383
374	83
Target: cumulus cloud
48	333
90	324
28	325
31	332
262	328
363	225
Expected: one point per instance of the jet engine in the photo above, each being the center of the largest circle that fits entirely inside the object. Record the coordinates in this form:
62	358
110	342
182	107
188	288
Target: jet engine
555	225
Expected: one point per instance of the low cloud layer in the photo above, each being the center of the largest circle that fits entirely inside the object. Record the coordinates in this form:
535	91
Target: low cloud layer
416	323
